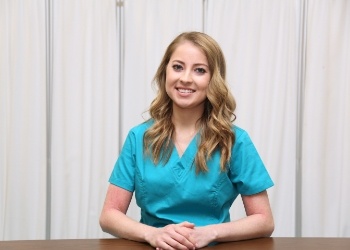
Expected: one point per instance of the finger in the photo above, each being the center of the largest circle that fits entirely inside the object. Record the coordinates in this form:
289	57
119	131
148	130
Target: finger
187	224
183	238
171	244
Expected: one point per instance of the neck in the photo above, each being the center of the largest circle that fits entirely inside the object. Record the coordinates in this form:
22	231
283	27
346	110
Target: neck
186	119
186	126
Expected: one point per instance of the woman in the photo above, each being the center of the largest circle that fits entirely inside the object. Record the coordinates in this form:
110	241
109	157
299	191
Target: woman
188	163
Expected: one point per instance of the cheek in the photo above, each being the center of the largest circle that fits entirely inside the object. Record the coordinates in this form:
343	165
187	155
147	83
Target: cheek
170	81
167	87
170	77
204	85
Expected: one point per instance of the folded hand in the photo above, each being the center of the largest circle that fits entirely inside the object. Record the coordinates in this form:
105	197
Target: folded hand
173	236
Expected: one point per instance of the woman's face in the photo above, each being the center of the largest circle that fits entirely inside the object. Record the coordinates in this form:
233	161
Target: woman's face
187	77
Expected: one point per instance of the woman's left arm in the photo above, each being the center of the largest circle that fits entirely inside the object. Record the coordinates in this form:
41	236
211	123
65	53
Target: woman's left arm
258	223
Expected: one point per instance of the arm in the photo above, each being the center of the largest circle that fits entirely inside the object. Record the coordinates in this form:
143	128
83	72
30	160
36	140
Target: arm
258	223
114	220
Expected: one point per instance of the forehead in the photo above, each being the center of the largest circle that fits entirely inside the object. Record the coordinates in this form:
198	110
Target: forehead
188	50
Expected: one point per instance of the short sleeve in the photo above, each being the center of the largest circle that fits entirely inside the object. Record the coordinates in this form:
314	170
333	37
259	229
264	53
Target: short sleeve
123	173
247	171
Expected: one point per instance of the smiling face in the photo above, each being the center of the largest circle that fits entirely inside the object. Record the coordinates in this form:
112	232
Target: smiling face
187	77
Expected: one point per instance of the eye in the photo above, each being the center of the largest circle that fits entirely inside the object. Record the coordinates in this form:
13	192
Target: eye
177	67
200	70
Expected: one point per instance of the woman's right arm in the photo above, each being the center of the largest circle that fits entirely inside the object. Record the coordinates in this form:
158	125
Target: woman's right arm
113	220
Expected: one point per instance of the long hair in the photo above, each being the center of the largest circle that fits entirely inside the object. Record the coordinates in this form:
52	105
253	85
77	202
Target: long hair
216	122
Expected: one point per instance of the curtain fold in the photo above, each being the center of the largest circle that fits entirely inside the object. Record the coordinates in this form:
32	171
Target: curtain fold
326	141
85	113
23	120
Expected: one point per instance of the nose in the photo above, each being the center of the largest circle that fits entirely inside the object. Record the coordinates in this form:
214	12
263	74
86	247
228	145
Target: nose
186	77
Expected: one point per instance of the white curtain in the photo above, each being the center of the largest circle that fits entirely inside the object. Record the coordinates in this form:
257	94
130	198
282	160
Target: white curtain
22	119
85	115
326	121
67	104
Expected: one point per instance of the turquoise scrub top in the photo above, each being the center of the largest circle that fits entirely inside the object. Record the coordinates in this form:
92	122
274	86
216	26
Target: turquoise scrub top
173	193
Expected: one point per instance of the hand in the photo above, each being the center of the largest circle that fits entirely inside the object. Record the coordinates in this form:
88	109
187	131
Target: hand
173	236
202	236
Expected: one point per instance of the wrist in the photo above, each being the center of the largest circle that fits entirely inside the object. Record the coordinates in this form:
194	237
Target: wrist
147	235
212	234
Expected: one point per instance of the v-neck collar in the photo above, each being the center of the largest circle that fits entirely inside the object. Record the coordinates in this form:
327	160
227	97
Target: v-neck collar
190	149
180	166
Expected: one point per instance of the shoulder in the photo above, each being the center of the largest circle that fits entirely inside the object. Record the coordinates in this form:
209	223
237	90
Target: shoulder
134	139
141	128
135	134
243	141
240	133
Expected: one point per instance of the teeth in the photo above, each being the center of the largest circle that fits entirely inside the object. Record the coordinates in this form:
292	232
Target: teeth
185	91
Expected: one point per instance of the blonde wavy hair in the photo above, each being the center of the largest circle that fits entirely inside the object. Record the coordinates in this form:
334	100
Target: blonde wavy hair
218	116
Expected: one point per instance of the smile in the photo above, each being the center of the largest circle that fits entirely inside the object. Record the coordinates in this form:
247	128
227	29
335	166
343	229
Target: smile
185	90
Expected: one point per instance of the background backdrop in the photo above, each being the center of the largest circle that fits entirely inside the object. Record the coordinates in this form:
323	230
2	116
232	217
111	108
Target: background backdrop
75	76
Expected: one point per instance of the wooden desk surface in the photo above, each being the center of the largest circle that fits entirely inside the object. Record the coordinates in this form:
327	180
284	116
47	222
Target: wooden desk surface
115	244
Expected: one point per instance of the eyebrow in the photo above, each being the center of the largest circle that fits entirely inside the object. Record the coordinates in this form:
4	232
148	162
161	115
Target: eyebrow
196	64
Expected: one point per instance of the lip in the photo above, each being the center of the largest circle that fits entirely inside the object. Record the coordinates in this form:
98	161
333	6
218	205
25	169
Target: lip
185	90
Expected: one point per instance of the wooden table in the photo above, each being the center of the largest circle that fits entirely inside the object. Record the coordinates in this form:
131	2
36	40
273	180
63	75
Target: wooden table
115	244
